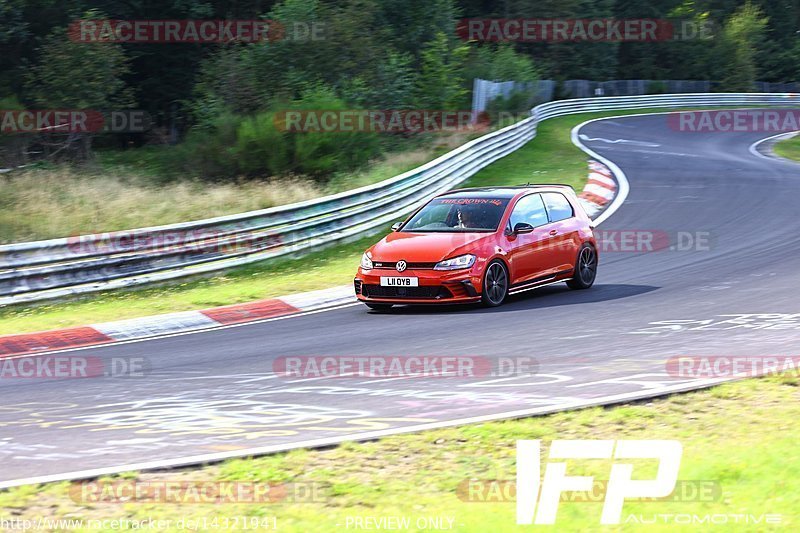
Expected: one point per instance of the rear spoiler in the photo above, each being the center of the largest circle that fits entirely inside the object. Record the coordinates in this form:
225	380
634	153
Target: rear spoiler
548	185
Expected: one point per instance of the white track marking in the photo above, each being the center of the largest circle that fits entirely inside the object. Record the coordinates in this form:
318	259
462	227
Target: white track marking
624	186
328	441
753	149
618	141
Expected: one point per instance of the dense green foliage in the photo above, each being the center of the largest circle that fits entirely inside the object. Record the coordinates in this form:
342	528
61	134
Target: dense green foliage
219	100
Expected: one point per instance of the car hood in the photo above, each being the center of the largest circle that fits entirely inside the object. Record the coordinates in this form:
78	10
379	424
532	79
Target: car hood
425	247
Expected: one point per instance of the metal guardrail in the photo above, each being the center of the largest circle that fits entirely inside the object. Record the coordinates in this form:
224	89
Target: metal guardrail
58	267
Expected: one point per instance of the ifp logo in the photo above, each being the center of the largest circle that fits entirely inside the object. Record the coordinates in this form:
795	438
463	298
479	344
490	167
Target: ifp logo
542	505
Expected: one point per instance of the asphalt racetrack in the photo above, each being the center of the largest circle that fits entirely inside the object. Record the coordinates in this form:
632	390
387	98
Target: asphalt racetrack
724	282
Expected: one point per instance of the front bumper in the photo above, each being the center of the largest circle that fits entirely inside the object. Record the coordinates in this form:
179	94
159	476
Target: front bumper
435	286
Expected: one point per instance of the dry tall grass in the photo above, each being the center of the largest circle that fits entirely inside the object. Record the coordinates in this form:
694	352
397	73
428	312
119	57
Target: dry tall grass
41	204
63	201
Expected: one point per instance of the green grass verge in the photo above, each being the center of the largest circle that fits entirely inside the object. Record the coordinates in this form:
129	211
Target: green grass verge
549	158
788	148
321	269
741	437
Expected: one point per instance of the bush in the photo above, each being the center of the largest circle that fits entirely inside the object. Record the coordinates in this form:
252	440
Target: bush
13	148
657	87
211	153
517	103
256	146
323	153
501	63
260	147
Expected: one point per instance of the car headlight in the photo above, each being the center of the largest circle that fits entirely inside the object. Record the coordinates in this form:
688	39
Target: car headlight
462	261
366	262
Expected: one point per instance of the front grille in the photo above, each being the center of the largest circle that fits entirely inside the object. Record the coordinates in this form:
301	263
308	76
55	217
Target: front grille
357	285
432	292
385	265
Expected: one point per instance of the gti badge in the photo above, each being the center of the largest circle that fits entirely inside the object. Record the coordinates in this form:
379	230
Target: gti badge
401	265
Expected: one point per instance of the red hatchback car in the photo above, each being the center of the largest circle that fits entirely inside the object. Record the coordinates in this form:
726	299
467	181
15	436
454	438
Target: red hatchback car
480	245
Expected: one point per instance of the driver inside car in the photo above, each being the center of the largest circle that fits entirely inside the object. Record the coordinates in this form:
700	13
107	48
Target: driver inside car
464	218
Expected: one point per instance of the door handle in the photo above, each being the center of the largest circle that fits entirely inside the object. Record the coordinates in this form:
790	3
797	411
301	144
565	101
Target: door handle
553	232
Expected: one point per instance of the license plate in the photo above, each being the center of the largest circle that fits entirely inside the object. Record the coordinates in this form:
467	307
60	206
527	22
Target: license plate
399	282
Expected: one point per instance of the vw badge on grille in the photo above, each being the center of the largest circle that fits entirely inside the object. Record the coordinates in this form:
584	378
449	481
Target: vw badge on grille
401	265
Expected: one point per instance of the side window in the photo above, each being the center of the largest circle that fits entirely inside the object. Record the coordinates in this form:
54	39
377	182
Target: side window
529	209
558	207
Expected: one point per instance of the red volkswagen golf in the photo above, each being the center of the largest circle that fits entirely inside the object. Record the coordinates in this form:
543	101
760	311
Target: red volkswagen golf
480	245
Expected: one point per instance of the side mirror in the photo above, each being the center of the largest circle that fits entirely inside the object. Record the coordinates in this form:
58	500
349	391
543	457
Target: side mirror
522	227
396	226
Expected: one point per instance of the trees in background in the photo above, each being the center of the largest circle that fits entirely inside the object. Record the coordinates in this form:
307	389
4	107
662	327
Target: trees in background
74	76
368	54
738	48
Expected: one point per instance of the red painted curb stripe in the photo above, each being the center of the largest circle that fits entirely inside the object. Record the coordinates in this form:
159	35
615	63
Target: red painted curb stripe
233	314
602	184
600	169
602	172
28	343
599	200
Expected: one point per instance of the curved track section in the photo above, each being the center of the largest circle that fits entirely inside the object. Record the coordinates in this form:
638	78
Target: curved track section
210	395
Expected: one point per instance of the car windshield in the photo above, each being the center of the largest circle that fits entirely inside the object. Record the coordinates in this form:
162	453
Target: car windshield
458	215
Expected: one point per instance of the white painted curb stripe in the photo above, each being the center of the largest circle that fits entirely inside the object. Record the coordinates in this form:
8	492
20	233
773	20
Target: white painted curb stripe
154	325
184	322
619	175
591	208
191	320
597	190
316	299
603	180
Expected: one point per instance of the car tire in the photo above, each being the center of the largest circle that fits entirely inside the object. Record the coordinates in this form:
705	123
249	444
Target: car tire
585	268
379	307
495	284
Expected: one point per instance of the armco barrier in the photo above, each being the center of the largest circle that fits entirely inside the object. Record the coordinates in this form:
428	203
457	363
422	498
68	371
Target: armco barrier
58	267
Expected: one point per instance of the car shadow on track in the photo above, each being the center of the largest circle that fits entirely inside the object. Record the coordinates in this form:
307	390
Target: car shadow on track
550	296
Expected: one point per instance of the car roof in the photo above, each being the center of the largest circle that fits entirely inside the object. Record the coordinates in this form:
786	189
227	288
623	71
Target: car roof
500	192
